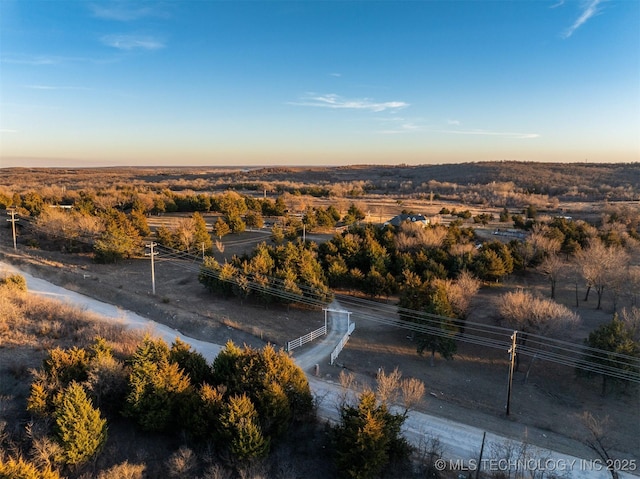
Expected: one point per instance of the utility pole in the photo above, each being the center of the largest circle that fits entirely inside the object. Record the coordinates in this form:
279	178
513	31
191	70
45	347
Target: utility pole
484	436
202	251
512	352
13	220
153	273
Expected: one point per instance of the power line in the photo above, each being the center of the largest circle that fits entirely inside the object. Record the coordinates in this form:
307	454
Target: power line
552	350
548	349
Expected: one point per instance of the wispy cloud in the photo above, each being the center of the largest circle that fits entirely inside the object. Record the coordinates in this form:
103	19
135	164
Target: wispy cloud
589	9
337	102
504	134
337	75
124	11
44	60
54	87
558	4
413	127
34	61
404	128
454	122
132	42
7	130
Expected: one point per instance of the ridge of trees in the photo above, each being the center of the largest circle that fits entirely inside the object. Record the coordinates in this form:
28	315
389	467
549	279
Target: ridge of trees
486	182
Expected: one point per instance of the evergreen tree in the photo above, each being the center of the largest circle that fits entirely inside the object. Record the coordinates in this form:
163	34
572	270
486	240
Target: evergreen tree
489	266
204	421
277	234
156	387
79	428
192	363
107	377
66	365
139	222
368	438
221	228
275	384
615	338
201	237
236	223
280	207
166	237
253	219
241	431
59	369
14	281
375	283
119	240
441	338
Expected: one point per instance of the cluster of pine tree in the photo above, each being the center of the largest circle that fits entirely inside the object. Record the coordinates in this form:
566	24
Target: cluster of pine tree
287	273
375	260
241	403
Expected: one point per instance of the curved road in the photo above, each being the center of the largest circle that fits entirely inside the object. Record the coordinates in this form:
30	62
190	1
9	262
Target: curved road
460	442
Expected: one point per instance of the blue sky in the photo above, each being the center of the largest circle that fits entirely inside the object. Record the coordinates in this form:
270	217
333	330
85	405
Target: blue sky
318	82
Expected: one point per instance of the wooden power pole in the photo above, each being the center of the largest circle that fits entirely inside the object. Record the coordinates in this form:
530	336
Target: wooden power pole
512	352
13	220
153	273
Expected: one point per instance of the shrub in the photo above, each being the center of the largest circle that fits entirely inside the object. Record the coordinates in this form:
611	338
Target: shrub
123	471
16	281
18	468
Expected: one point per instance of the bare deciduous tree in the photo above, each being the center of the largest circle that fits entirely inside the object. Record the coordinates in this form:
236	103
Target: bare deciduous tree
551	267
348	383
217	471
185	232
181	463
524	312
597	440
388	385
462	291
412	392
600	266
528	314
414	235
631	319
542	243
123	470
633	285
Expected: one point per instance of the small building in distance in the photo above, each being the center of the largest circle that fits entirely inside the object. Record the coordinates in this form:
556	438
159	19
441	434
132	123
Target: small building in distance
398	220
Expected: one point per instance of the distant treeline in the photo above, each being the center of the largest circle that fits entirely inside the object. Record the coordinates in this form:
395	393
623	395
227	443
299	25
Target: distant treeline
483	182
